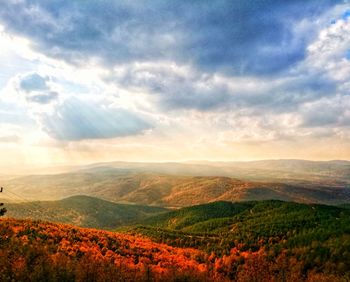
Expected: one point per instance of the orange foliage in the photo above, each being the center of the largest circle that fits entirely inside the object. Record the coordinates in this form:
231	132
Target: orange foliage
37	251
132	254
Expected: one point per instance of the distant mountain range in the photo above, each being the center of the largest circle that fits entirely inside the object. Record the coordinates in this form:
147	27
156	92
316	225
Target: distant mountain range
186	184
265	170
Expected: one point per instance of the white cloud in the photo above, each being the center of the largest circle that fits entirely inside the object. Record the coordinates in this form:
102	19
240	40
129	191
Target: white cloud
328	53
92	98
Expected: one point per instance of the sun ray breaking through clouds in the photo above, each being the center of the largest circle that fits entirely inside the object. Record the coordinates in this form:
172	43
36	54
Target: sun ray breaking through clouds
173	80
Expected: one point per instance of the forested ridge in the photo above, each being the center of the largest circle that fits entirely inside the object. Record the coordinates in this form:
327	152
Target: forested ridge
318	236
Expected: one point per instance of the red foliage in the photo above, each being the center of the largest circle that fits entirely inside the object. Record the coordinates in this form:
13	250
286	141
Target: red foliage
37	251
88	250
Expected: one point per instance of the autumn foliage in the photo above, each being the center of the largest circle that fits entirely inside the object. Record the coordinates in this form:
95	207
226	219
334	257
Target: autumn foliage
40	251
32	250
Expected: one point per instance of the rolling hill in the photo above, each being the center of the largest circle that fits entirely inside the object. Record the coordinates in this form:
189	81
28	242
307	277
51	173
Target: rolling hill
249	216
318	235
185	217
83	211
165	190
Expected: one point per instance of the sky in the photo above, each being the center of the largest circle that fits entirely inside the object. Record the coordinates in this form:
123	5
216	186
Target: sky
90	81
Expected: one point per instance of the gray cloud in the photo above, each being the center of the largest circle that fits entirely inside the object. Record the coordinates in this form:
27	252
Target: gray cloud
264	41
76	120
33	82
327	112
294	91
36	89
237	37
172	89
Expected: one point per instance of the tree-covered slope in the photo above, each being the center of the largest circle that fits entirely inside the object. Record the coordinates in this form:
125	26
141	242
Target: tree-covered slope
51	252
83	211
44	251
189	216
317	235
248	215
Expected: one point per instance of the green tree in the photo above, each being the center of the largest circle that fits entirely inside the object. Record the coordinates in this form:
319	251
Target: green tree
2	210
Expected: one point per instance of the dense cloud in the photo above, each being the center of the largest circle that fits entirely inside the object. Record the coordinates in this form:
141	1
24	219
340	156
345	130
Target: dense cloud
77	120
174	88
327	112
236	37
66	118
269	68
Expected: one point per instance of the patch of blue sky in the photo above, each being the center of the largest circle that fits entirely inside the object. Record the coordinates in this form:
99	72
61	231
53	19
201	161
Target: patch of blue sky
12	66
14	113
73	87
346	15
347	54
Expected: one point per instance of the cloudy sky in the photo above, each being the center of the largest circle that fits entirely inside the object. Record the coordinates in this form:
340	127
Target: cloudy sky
86	81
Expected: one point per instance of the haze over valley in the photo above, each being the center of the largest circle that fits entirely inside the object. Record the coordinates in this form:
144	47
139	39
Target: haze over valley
185	184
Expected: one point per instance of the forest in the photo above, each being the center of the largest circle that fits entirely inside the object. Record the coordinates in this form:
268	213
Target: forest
220	241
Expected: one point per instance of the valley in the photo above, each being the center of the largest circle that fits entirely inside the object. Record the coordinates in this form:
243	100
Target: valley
179	185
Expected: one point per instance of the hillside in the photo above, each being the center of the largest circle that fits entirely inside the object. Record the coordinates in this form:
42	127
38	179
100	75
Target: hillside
188	216
166	190
83	211
253	216
39	251
318	235
255	241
